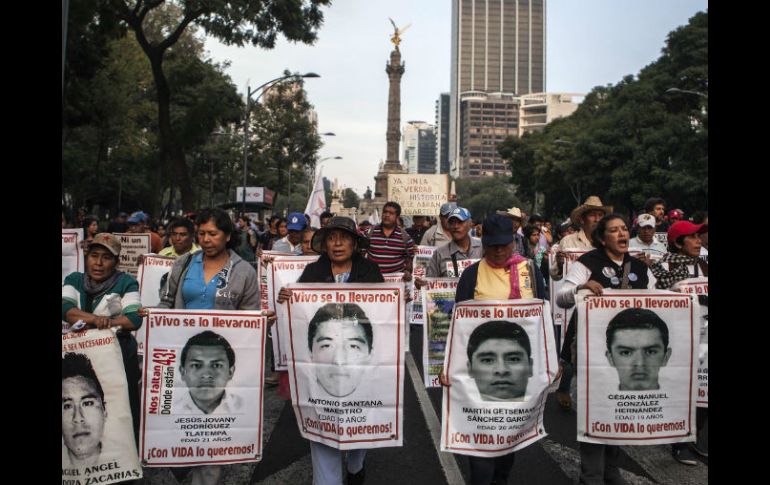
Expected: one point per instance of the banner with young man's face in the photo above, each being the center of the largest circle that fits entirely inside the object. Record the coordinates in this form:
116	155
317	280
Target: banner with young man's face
281	271
636	366
501	363
346	363
203	377
98	444
438	300
700	288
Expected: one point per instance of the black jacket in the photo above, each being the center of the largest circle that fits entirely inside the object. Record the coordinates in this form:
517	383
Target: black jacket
363	271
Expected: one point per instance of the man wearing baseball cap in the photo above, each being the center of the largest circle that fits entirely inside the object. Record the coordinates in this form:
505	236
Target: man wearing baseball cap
645	238
516	216
444	262
138	223
292	243
440	233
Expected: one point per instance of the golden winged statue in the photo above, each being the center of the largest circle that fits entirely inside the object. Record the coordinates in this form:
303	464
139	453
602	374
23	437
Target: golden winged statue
396	38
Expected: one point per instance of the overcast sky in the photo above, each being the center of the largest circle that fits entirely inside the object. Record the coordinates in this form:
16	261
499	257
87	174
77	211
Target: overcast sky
589	43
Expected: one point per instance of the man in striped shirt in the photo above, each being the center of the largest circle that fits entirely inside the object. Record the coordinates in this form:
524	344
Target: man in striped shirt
389	245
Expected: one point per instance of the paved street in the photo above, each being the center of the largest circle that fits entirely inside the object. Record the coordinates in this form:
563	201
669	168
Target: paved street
552	461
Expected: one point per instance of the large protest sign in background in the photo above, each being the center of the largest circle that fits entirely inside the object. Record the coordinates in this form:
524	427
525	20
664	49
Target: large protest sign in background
98	444
418	194
282	270
420	262
700	288
346	363
462	265
203	377
438	299
501	363
262	274
132	246
71	252
637	362
151	273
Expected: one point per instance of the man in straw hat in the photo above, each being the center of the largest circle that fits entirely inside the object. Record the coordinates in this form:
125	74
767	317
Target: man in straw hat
588	216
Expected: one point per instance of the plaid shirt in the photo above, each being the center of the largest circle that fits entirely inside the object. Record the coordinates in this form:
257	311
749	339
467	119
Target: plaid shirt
392	252
678	269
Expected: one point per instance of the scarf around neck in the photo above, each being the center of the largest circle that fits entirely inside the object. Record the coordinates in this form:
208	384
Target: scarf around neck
93	289
511	263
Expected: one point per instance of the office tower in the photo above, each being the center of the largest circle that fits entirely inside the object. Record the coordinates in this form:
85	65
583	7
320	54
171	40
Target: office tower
419	141
442	134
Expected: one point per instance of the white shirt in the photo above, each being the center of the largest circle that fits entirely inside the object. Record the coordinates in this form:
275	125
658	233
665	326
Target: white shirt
656	249
184	404
580	274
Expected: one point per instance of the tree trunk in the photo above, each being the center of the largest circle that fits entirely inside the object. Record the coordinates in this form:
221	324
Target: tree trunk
171	152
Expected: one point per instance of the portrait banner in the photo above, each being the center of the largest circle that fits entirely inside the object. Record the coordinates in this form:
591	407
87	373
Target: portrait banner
418	194
637	363
501	363
420	263
98	444
132	246
700	288
72	258
462	265
282	270
438	304
150	277
346	363
203	376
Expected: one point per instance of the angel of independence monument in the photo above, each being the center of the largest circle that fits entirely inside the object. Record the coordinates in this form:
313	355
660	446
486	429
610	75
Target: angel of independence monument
395	69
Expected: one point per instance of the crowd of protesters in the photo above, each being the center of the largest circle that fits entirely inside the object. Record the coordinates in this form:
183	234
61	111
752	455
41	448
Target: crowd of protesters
505	242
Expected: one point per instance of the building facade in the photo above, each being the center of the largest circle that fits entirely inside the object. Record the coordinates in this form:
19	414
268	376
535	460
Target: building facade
442	134
498	48
419	142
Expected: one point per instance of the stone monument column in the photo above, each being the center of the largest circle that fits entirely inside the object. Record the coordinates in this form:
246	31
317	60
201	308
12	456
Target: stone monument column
395	69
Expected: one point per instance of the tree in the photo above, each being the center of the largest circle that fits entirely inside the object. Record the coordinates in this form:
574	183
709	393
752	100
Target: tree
350	198
486	195
232	22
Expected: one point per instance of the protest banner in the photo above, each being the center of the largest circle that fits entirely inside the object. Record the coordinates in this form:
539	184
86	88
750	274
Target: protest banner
264	299
662	237
700	288
98	444
131	247
637	365
346	363
438	300
71	252
282	270
418	194
462	265
561	315
420	262
203	377
501	363
151	274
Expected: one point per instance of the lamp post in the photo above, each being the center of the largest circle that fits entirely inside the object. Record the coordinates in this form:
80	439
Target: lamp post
288	197
319	162
686	91
264	87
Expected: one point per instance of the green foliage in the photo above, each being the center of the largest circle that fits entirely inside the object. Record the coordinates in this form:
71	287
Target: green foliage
350	198
628	141
485	195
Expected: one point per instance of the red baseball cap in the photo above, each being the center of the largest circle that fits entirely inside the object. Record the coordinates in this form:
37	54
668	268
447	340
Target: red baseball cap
685	228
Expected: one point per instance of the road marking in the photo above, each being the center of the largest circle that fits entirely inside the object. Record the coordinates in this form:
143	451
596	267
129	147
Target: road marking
448	463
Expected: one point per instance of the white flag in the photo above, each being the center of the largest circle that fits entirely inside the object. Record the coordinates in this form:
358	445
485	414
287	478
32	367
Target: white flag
316	204
374	218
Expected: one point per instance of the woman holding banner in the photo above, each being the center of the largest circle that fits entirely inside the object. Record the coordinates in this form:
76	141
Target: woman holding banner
684	246
500	275
214	278
338	243
607	266
104	297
